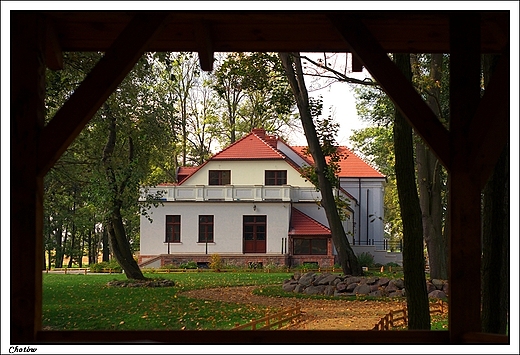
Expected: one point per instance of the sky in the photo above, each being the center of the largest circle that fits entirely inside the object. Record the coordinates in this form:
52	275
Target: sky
338	97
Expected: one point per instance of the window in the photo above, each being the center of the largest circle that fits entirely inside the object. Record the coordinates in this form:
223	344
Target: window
310	246
276	177
173	229
220	177
205	229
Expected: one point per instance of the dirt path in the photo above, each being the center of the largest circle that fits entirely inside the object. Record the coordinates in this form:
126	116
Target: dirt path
317	314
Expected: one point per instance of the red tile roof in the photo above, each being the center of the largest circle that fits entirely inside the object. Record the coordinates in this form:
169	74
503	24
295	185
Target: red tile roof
352	166
255	146
302	224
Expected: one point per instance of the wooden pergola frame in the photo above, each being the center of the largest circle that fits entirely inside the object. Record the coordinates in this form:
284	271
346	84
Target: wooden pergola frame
469	149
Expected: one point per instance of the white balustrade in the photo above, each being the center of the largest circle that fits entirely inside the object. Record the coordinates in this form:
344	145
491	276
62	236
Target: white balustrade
235	193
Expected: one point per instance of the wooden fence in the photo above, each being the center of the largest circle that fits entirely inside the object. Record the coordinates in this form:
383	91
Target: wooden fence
400	317
279	320
76	270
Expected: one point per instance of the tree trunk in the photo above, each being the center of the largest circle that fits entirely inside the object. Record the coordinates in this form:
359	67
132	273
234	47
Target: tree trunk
106	244
430	188
116	230
347	258
72	242
495	239
413	256
121	247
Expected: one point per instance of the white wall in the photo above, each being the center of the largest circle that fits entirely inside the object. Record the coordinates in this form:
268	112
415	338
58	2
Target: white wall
228	219
248	172
374	198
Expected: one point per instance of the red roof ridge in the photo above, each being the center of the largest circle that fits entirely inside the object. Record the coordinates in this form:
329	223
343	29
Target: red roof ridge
255	134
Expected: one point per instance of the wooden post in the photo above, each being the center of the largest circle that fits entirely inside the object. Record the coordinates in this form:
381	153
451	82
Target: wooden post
464	182
26	205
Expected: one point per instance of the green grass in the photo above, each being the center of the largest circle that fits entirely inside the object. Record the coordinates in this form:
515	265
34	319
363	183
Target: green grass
84	302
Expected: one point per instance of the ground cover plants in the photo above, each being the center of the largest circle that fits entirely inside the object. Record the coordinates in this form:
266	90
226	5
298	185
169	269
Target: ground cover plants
85	302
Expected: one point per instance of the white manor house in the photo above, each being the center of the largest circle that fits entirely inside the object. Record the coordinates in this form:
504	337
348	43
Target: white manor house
249	204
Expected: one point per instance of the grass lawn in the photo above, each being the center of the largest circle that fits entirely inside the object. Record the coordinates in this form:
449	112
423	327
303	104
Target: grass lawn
85	302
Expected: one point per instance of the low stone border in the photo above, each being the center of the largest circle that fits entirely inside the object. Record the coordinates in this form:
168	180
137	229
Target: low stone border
141	283
334	285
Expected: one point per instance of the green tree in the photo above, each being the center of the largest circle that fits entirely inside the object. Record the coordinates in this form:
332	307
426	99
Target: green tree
294	72
107	164
431	175
255	94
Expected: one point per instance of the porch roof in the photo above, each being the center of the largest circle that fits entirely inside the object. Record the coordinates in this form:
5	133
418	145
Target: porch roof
302	224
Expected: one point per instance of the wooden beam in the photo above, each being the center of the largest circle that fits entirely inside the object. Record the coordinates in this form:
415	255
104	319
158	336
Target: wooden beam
464	183
246	337
26	202
53	52
204	45
98	86
357	65
400	90
489	131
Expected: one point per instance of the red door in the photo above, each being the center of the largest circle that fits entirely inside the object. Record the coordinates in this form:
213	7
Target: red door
255	234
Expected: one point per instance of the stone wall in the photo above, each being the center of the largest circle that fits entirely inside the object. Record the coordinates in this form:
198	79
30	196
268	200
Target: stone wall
334	285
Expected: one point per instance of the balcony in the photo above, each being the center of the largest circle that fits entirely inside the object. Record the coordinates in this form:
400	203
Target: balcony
284	193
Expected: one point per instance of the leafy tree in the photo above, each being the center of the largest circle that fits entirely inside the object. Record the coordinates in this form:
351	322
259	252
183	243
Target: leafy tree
294	72
107	164
431	176
255	94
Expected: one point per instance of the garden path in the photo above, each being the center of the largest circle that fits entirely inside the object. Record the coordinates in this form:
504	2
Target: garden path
317	314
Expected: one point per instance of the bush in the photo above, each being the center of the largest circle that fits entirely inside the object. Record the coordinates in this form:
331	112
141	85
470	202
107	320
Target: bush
112	264
365	259
392	264
188	265
216	262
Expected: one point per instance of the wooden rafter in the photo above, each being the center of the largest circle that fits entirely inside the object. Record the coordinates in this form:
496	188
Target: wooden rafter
53	52
402	93
98	86
205	45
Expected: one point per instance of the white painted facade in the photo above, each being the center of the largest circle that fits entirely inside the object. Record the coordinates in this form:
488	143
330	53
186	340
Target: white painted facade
228	219
247	172
247	195
369	209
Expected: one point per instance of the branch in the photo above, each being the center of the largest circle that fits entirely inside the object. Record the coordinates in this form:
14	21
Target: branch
339	76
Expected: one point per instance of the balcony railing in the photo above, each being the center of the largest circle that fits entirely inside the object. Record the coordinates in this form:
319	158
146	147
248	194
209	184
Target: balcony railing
233	193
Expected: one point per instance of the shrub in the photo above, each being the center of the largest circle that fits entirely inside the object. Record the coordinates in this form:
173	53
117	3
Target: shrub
365	259
188	265
216	262
392	264
112	264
